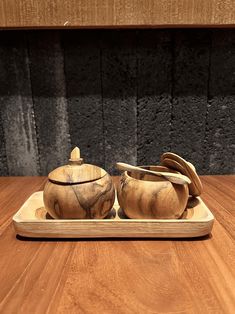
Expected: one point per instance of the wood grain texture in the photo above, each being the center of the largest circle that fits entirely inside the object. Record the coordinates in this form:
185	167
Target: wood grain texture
220	118
9	188
119	97
16	106
178	163
189	94
223	212
135	276
81	201
33	221
150	196
119	13
49	97
84	94
154	84
159	171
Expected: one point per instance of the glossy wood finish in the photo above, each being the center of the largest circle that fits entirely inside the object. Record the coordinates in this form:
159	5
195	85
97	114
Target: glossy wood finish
113	276
176	162
147	196
32	220
68	201
78	190
170	176
118	13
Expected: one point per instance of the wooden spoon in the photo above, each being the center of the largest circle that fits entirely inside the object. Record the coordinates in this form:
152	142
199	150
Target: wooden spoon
176	162
170	176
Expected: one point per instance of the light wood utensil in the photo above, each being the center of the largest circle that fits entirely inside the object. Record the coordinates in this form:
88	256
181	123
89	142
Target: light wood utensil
170	176
178	163
173	164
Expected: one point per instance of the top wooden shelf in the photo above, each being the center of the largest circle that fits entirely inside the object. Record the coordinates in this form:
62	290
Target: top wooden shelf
116	13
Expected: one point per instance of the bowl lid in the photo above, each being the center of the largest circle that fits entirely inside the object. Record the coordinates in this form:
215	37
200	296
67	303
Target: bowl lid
76	171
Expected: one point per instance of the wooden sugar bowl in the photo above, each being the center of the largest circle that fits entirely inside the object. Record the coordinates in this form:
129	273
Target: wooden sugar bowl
78	191
147	196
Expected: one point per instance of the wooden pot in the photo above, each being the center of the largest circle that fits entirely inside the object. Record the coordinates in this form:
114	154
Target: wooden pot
78	191
144	196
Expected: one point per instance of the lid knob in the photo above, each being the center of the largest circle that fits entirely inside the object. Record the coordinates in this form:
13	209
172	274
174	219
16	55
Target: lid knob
75	158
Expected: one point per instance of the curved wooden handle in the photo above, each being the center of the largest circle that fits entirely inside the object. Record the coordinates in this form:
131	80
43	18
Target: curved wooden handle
170	176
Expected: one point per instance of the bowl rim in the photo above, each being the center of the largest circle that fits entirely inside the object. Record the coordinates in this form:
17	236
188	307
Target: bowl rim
161	179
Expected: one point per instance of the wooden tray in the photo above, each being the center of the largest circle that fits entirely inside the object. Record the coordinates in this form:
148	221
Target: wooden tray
32	221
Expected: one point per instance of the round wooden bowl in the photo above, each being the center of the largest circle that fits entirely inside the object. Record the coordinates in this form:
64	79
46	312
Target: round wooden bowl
78	190
89	200
144	196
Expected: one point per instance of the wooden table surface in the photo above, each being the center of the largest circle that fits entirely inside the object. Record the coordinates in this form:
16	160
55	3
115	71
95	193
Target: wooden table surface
118	276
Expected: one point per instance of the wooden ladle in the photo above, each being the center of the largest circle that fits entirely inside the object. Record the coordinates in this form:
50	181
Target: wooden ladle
170	176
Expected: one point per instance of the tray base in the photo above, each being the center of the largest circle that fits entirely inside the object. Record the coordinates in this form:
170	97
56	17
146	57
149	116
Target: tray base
32	221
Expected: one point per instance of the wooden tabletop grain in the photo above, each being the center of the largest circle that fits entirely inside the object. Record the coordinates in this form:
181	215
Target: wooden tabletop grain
118	276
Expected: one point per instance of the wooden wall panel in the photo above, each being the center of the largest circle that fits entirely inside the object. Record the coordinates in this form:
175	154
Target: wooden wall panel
83	81
49	97
118	13
189	94
16	106
154	94
119	96
220	132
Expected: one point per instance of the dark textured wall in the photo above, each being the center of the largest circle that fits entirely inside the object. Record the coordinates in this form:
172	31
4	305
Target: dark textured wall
120	95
